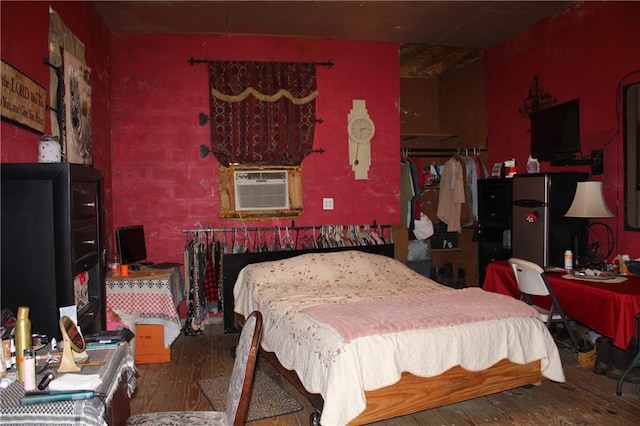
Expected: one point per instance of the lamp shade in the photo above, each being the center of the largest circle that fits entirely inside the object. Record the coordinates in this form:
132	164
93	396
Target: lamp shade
589	201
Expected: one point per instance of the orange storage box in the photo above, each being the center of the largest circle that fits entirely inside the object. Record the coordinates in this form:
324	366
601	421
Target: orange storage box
149	347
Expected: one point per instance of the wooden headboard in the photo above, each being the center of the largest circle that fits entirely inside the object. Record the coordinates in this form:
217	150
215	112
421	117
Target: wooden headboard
232	264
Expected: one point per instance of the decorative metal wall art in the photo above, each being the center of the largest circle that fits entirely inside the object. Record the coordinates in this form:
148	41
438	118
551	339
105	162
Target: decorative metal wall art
537	99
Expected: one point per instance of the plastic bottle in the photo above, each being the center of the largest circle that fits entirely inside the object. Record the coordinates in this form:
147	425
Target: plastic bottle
624	269
3	366
23	338
29	370
533	166
568	260
115	266
12	360
6	353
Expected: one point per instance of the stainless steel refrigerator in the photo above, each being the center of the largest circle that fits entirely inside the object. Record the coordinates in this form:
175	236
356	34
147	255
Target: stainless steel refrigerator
541	233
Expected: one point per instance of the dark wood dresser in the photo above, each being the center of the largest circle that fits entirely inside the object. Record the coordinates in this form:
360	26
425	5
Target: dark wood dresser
51	234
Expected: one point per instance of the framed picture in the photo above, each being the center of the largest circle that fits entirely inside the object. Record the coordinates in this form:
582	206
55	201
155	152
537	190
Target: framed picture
497	170
77	110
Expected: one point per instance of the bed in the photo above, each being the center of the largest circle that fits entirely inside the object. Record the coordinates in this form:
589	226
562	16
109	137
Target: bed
366	338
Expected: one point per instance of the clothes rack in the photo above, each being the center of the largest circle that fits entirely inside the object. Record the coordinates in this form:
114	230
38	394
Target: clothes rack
276	238
293	227
214	256
441	152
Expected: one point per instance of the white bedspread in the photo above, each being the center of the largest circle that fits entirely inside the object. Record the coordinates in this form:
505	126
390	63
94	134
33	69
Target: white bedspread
341	372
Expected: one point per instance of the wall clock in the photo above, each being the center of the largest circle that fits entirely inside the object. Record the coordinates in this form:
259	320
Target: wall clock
360	130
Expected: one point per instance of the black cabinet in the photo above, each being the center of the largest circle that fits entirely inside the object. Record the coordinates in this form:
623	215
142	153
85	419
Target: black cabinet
51	235
494	222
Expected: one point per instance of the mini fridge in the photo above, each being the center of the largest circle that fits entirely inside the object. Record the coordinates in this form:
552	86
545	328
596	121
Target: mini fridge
541	233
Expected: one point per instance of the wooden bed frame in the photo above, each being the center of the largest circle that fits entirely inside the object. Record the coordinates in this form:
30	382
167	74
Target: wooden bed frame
411	393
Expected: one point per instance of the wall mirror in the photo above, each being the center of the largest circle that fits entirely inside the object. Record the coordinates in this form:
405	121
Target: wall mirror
631	132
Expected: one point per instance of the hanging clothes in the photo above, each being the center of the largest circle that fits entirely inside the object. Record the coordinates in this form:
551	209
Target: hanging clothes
194	323
451	195
407	192
209	282
415	200
218	276
483	173
465	214
471	182
418	183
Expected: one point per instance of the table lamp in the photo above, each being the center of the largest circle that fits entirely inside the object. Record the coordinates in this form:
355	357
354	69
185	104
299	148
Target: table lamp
589	203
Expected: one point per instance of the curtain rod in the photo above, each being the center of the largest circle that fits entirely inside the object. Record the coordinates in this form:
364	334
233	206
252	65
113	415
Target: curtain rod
194	61
274	228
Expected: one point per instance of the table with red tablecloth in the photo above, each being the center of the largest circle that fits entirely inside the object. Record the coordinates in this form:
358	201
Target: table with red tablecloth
606	307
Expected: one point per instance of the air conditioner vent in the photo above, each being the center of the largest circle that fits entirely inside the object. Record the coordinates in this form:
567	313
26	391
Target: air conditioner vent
261	190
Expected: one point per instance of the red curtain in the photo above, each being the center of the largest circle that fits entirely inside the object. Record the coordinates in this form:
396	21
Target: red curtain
262	113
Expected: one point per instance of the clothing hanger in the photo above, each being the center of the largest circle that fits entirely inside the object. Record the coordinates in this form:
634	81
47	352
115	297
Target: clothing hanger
404	155
287	243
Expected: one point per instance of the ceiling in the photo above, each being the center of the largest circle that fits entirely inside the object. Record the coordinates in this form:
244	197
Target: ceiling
435	36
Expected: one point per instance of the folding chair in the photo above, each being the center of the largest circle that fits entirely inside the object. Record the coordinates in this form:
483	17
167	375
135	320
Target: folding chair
532	281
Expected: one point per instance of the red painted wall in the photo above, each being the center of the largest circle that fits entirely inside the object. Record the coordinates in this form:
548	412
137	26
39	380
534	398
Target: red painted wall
23	35
582	52
159	179
24	38
146	100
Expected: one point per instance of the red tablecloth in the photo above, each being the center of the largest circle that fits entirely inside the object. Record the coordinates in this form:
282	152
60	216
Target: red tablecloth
607	308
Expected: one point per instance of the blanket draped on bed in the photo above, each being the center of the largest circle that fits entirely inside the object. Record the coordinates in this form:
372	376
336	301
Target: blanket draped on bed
352	320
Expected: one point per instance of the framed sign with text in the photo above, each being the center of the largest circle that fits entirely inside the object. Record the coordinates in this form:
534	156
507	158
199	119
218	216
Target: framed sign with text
23	100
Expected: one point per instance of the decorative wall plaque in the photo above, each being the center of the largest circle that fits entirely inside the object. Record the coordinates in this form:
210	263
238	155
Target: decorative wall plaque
77	108
23	100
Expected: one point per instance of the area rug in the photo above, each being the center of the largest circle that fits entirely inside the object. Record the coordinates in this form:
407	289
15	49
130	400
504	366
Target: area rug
268	399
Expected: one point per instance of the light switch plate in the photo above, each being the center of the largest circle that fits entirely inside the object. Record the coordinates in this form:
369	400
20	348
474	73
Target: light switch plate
327	203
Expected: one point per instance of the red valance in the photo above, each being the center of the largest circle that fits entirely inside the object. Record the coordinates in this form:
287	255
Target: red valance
262	113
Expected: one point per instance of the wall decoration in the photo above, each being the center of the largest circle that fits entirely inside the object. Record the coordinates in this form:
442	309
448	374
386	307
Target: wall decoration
360	129
262	113
77	110
23	100
536	100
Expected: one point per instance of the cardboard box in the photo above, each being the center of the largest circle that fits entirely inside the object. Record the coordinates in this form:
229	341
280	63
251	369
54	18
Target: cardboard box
149	346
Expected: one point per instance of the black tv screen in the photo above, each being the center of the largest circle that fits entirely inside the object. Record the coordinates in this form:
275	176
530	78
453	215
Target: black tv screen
131	244
555	131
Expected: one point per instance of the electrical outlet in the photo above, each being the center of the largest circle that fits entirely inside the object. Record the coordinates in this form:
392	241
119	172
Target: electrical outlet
597	168
327	203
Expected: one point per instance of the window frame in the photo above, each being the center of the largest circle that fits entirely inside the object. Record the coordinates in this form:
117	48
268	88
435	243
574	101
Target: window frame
227	193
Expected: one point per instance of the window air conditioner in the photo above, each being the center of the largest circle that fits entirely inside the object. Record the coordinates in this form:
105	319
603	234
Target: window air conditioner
261	190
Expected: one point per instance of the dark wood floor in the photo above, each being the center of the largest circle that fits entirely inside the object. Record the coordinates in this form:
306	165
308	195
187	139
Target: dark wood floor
585	398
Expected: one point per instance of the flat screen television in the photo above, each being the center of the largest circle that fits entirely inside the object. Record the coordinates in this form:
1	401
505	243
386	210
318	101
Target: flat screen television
555	132
131	244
